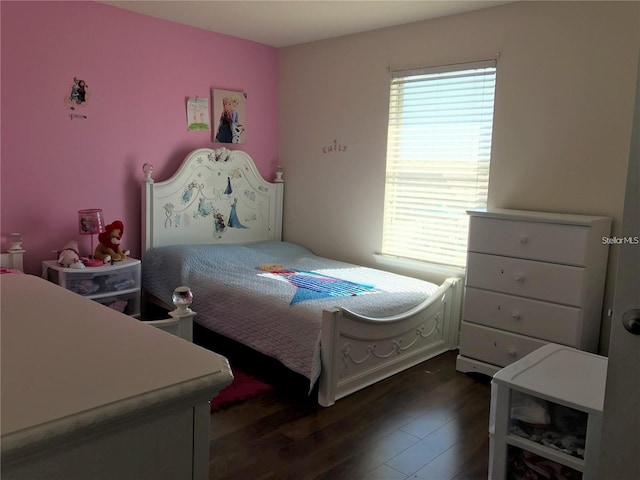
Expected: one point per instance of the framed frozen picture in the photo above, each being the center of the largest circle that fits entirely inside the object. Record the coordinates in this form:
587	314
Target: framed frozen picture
229	116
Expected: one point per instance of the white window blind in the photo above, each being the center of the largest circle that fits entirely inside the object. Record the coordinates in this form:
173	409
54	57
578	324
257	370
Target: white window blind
438	151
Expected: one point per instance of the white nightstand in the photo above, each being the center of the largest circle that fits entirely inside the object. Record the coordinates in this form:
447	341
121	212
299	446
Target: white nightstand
117	285
546	412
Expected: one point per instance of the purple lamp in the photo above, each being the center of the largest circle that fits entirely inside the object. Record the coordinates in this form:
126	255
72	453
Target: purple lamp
90	222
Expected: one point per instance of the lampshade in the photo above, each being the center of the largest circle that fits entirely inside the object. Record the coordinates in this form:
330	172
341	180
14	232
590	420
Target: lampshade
16	242
90	222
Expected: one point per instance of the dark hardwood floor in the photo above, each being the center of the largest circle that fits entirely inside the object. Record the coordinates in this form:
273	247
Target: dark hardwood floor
428	422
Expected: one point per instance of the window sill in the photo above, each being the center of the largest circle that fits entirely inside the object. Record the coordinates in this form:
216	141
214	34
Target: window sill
444	271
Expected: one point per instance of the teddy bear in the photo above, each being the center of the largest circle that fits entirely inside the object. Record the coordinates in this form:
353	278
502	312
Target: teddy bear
109	250
69	256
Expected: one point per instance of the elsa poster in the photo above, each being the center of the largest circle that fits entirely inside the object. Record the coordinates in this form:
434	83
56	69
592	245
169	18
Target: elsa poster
229	116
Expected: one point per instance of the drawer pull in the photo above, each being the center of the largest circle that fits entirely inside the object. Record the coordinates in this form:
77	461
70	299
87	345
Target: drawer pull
515	315
511	352
519	278
522	240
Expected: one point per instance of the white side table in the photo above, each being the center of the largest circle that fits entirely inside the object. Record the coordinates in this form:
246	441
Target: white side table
117	285
566	383
13	259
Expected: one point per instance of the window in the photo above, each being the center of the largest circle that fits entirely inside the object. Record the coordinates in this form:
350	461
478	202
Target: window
438	150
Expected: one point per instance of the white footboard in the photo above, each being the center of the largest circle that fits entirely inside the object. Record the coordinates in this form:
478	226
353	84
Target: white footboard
358	351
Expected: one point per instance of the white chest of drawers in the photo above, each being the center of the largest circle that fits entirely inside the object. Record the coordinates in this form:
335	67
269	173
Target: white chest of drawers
532	278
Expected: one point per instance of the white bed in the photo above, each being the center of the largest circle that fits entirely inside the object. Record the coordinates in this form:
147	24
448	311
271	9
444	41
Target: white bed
218	198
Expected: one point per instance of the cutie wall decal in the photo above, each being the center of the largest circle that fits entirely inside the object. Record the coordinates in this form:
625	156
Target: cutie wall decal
334	147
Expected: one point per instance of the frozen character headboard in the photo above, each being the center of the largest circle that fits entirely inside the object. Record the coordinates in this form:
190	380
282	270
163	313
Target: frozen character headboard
216	196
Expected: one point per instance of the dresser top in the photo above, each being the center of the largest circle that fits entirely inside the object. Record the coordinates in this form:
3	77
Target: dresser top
533	216
69	362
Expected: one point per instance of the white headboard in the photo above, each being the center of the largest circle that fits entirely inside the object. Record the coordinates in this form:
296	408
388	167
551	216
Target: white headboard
215	196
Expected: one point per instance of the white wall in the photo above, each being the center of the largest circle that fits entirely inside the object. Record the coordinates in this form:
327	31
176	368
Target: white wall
565	90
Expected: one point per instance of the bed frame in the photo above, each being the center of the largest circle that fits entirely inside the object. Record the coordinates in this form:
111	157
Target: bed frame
192	207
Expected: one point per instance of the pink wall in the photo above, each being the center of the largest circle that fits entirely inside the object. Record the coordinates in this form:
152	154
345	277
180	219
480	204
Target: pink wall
140	70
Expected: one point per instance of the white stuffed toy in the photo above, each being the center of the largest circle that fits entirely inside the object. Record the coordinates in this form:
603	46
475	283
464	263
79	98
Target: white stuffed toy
69	256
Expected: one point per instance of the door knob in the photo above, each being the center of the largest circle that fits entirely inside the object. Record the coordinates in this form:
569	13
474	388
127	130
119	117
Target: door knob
631	321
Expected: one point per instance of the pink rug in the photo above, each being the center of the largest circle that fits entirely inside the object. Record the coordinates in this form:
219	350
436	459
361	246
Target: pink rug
242	388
